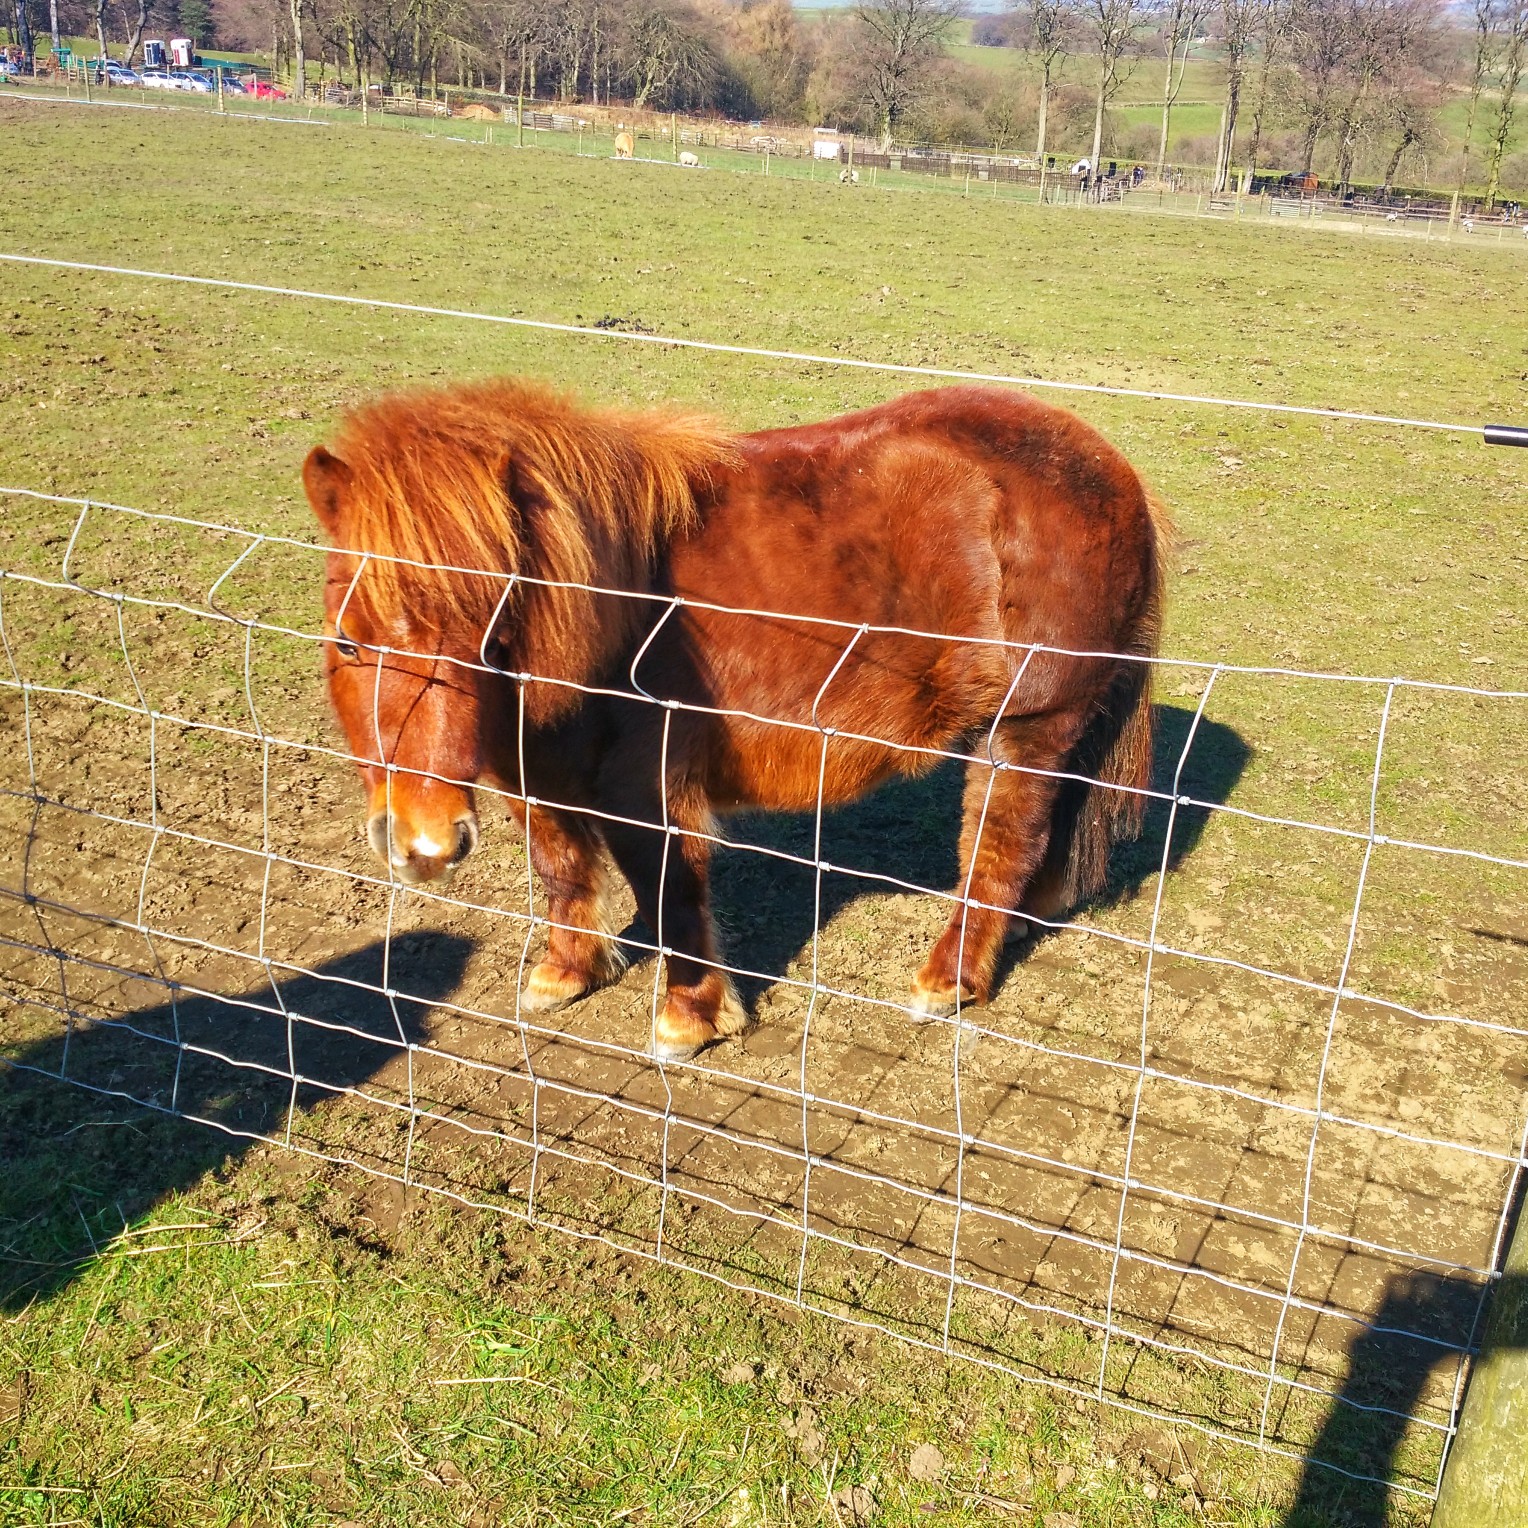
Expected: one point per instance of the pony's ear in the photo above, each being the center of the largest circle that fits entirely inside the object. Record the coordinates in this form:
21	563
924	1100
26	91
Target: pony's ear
325	477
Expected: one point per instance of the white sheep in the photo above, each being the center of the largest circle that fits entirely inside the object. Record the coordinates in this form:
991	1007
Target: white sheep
689	161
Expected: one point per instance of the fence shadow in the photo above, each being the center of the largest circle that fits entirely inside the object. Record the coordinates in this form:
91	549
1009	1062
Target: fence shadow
1393	1372
908	830
79	1165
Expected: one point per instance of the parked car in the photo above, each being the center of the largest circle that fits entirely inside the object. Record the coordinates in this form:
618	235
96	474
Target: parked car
231	85
10	69
263	90
196	84
158	79
111	71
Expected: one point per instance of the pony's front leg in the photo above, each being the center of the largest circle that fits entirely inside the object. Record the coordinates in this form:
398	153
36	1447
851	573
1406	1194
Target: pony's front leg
581	955
669	874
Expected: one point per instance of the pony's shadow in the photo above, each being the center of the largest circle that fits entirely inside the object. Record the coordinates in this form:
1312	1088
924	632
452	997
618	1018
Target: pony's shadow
908	832
82	1163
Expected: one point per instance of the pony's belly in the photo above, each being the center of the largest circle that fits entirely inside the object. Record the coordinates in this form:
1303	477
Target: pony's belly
789	769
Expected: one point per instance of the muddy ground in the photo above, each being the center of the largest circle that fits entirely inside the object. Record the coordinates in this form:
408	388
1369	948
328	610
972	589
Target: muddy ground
153	950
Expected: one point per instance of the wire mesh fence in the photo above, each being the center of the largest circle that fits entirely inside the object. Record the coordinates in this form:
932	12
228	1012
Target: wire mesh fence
1236	1139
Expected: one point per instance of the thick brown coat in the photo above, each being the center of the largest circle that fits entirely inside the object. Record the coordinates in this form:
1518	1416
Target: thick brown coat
813	609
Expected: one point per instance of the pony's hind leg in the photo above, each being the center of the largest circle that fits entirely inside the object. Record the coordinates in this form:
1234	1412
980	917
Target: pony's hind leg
581	955
1004	833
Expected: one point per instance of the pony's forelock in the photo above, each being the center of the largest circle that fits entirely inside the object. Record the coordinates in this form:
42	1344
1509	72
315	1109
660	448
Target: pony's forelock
502	478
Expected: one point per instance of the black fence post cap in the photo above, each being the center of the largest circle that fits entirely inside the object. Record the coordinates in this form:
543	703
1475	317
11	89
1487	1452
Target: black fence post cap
1507	434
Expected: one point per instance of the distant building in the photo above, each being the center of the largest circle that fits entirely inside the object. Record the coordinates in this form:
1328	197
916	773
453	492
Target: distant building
826	143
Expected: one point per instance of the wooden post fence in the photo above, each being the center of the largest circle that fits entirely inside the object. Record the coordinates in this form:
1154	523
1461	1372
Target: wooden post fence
1485	1483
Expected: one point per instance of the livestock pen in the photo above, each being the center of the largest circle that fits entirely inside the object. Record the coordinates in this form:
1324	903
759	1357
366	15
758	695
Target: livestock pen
1239	1138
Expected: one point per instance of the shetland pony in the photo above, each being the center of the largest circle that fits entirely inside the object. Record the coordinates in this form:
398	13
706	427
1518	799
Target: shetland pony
683	622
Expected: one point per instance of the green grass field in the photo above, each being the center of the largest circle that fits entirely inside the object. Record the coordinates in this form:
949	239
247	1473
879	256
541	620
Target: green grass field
198	1333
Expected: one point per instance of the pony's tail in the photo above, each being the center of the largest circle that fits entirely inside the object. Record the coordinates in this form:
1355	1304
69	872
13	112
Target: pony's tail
1115	754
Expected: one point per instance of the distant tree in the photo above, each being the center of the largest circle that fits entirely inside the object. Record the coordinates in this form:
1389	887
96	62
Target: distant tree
1004	115
135	37
1238	18
1113	24
1513	28
903	39
295	9
1384	39
1048	30
1407	117
195	20
23	29
771	54
994	31
666	55
1179	22
1486	18
1275	17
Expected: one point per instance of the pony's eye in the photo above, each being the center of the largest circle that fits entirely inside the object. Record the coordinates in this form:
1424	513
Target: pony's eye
347	649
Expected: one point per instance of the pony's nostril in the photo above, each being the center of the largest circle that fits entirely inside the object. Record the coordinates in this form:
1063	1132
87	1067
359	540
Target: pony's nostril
379	836
466	839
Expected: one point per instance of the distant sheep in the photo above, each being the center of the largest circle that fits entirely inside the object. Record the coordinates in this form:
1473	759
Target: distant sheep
625	145
848	177
689	161
1469	225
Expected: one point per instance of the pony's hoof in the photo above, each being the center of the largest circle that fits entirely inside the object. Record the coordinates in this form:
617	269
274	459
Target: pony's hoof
929	1003
549	987
684	1028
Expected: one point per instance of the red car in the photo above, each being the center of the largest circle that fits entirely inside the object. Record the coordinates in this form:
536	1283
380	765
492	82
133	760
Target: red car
263	90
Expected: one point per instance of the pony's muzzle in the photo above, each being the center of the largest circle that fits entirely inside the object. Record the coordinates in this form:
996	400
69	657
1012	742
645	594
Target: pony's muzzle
417	856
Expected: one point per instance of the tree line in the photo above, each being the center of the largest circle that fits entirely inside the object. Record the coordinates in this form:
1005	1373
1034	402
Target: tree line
1340	87
1307	84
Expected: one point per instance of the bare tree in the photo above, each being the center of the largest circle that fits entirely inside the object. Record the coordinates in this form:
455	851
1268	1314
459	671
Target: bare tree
1407	117
1487	20
772	54
1113	24
1320	45
1237	18
667	55
299	57
903	38
1180	21
509	30
135	40
1514	55
1274	22
1348	55
24	31
1048	28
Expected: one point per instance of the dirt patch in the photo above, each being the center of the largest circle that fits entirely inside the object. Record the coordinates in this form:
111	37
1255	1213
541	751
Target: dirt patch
959	1186
1198	1180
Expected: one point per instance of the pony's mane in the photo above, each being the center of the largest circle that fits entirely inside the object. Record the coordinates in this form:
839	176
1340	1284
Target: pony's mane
507	477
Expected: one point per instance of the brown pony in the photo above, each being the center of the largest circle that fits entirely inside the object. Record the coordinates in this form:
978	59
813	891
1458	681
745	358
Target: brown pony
681	622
